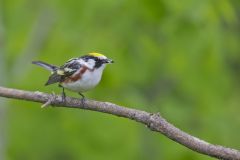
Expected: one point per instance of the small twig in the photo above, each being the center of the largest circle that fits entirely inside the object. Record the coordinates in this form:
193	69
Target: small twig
155	122
50	100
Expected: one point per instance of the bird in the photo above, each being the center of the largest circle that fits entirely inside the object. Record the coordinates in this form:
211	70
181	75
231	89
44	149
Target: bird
77	74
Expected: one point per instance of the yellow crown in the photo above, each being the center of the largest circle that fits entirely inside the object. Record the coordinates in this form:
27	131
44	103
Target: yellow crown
94	54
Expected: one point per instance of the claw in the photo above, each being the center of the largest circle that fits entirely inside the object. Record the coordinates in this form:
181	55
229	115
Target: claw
83	99
63	96
83	102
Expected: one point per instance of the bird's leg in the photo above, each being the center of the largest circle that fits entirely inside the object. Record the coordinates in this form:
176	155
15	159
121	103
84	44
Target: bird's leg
82	99
63	94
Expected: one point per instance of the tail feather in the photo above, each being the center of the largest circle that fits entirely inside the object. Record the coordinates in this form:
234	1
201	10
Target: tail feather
45	65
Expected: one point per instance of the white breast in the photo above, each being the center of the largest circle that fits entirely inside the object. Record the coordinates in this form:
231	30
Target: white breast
88	81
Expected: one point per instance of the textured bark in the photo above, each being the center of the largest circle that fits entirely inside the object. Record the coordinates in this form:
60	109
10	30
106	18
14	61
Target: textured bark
155	121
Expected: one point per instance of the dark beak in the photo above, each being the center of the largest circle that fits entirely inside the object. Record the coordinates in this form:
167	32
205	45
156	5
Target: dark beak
108	61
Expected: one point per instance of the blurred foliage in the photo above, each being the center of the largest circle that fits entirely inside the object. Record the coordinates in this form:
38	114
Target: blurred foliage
178	58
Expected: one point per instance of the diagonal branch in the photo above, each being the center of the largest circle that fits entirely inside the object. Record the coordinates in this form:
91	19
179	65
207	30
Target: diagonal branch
155	122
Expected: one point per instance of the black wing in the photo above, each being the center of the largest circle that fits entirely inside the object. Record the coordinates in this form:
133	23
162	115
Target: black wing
68	69
54	78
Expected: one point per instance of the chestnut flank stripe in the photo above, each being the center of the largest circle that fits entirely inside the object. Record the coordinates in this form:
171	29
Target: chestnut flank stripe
77	76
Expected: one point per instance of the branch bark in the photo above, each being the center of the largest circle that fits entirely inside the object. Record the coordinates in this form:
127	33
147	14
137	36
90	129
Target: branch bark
155	122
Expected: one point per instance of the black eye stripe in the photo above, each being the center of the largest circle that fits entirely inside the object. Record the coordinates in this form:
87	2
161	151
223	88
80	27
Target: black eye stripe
86	58
98	64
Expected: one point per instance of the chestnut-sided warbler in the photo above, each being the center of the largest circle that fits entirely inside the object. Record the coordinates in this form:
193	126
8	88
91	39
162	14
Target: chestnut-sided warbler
77	74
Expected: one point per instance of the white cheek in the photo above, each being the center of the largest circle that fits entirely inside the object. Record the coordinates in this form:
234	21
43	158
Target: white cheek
90	63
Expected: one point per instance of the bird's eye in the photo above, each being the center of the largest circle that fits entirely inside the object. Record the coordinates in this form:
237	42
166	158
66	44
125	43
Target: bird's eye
86	59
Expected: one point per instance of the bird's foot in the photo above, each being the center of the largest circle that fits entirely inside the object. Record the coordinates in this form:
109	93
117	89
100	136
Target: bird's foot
63	95
83	99
83	102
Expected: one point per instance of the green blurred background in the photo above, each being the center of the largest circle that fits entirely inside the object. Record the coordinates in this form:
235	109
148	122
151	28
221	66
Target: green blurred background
179	58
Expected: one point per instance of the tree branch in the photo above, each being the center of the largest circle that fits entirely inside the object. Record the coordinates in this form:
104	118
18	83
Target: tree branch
155	122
